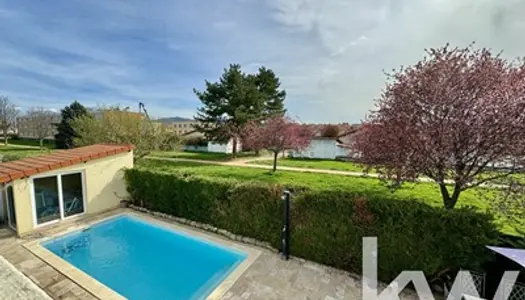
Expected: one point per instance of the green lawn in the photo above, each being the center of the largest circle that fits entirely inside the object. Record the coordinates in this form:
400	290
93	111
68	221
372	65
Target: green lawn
14	152
200	155
313	164
371	187
49	144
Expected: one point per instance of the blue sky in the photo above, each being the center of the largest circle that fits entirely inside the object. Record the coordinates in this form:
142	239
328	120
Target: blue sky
330	55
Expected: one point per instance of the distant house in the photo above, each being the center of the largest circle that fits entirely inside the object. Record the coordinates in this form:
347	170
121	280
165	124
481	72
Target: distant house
323	147
223	148
182	126
27	126
213	147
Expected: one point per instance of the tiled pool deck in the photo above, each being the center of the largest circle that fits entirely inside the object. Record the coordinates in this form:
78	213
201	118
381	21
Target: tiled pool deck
268	277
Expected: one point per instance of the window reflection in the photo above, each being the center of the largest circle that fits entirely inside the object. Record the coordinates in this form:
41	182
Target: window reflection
46	199
72	194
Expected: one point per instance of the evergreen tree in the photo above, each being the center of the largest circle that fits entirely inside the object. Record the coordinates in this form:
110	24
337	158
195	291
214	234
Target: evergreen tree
66	134
269	85
236	99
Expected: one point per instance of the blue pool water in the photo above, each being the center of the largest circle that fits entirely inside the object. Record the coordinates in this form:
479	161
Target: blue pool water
141	260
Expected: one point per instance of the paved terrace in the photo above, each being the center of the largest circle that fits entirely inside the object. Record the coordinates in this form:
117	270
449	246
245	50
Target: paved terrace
267	278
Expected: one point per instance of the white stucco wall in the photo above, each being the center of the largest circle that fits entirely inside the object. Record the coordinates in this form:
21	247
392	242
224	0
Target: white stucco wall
223	148
322	149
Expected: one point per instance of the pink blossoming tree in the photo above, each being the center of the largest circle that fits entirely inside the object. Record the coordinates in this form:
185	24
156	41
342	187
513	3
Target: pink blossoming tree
451	118
277	134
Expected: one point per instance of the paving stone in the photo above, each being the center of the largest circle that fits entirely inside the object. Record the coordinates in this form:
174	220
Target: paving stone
68	296
60	288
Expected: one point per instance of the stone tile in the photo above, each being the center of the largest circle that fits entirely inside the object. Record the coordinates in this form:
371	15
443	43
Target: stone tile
33	264
44	276
68	296
60	288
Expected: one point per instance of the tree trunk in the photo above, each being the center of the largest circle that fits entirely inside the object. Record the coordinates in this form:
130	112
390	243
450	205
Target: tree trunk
5	137
275	154
41	144
449	200
234	148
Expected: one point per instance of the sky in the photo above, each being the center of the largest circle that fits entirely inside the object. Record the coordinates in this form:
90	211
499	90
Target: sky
330	55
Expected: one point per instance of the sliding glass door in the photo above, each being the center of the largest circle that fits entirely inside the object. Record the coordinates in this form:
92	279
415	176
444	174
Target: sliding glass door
72	192
58	197
47	204
10	201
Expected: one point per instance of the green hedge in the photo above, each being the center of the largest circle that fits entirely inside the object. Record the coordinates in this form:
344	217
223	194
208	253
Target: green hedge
328	227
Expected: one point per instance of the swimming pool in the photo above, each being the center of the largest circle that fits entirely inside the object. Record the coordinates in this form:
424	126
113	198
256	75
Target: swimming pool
142	260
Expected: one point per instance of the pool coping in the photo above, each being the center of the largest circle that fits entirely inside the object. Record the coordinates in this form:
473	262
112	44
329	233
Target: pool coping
102	291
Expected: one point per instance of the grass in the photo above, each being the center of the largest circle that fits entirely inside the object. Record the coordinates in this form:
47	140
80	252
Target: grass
313	164
14	152
424	192
49	144
209	156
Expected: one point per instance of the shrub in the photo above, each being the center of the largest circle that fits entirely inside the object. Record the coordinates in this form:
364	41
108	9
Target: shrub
197	141
328	226
330	130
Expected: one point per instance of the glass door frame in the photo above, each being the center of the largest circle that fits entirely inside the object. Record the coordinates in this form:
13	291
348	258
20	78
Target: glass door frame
6	199
62	217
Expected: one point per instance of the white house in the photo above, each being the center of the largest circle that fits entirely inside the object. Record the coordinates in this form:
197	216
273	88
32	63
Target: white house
214	147
322	148
223	148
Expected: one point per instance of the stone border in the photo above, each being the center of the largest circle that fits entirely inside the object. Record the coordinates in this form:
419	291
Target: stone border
101	291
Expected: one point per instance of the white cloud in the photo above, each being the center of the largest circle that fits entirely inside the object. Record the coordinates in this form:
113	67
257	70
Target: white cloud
330	55
361	38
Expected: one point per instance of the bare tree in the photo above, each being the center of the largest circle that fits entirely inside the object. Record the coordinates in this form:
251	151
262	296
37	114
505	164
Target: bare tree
8	114
120	126
277	134
41	121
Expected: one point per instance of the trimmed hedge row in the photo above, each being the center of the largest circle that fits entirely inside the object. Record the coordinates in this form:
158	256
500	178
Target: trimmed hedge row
328	227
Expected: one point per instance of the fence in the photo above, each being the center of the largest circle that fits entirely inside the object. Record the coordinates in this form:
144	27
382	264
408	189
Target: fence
517	293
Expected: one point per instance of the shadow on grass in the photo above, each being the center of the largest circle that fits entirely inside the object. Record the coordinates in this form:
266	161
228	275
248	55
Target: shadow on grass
10	150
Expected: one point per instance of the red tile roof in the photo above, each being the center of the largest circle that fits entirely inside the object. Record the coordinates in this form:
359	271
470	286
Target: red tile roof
16	169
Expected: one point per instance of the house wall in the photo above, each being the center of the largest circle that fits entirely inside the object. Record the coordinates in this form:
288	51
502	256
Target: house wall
195	148
223	148
104	187
321	149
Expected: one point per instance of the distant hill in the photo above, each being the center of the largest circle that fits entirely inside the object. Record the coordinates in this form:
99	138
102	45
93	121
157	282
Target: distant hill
173	119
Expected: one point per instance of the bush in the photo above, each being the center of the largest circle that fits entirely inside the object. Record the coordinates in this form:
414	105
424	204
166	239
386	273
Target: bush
330	131
197	141
328	226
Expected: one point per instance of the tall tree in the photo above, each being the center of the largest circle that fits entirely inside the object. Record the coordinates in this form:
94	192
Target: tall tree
269	85
450	118
66	134
114	125
40	120
8	114
236	99
277	134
